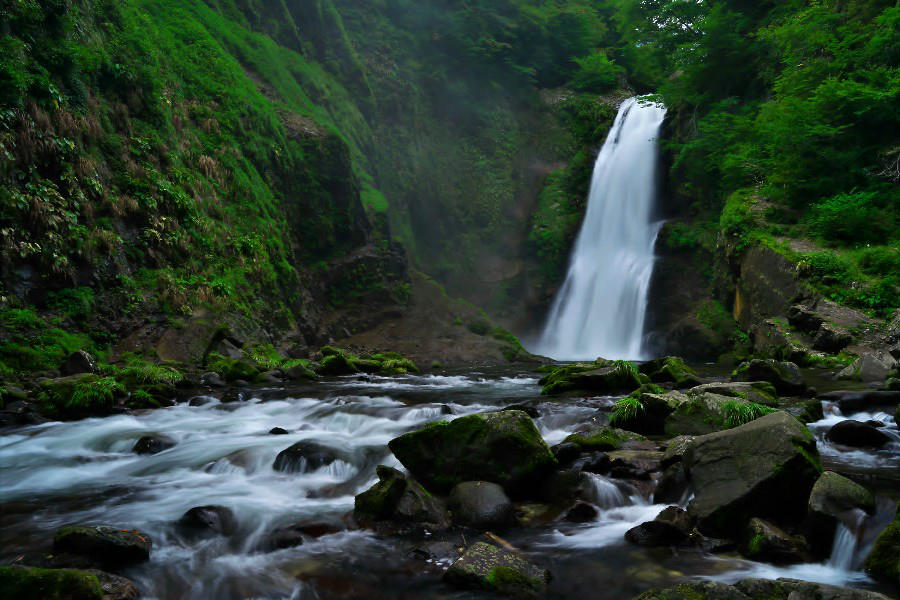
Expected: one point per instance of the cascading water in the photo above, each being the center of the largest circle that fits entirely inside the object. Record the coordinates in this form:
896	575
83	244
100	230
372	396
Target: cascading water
599	311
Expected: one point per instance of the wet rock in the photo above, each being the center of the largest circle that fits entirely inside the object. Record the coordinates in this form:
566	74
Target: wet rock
79	362
275	376
765	468
785	376
233	395
278	431
208	519
300	372
337	364
212	379
672	485
857	434
305	455
502	447
582	512
31	583
677	517
655	533
566	453
670	369
489	568
650	418
676	448
804	319
793	589
761	392
481	505
104	545
601	377
883	561
762	541
833	498
400	499
602	439
701	590
596	462
805	411
200	400
831	339
283	537
153	444
855	401
528	410
634	464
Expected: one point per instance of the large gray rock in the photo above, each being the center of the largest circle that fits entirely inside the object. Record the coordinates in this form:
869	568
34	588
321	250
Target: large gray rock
481	505
794	589
765	468
502	447
872	367
487	567
857	434
29	583
699	590
831	339
785	376
705	412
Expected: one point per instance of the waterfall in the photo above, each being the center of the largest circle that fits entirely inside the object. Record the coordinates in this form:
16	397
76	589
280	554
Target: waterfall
599	311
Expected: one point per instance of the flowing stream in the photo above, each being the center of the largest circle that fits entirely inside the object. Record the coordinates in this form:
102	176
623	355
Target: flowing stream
85	473
599	311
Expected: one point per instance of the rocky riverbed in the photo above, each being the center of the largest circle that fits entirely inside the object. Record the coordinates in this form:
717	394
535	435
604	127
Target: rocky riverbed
260	497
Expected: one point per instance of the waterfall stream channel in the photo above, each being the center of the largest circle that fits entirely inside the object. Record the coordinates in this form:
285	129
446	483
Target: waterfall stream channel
85	472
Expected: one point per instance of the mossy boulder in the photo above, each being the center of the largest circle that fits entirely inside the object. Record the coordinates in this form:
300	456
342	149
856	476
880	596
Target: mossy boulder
28	583
489	568
785	376
765	542
760	392
104	545
759	589
765	469
398	498
233	370
695	590
338	364
80	395
602	439
670	369
600	377
833	499
646	412
503	447
706	412
883	561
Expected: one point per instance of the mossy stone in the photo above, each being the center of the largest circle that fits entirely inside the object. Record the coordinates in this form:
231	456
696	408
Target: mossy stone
487	567
29	583
107	546
380	500
338	364
883	562
603	439
502	447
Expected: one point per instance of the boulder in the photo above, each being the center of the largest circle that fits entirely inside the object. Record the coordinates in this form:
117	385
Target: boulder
670	369
762	541
305	455
30	583
765	468
212	379
850	401
79	362
481	505
646	412
605	378
337	364
676	448
677	517
672	485
656	533
831	339
883	561
761	392
283	537
278	431
794	589
871	367
399	499
785	376
857	434
581	512
104	545
489	568
833	498
502	447
602	439
706	412
566	453
153	444
208	519
804	410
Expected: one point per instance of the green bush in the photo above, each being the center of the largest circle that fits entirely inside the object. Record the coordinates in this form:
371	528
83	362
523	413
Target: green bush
826	264
595	73
853	217
626	409
880	261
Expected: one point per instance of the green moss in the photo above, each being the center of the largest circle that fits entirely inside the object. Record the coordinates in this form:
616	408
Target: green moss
85	393
883	561
755	545
27	583
231	369
735	414
513	582
603	439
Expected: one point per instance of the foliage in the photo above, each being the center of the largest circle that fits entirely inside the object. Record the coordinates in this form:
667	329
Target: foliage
595	73
626	410
736	413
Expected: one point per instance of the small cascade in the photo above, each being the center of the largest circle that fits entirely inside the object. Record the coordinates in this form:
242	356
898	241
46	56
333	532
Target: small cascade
843	552
600	309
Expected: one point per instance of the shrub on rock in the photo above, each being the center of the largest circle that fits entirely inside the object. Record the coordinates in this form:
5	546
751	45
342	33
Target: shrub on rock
502	447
